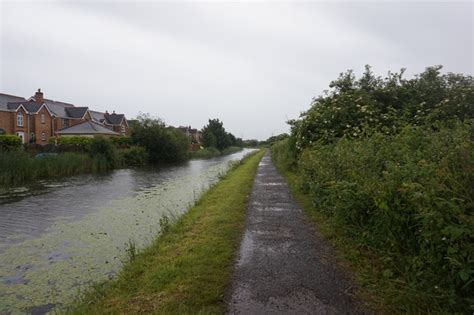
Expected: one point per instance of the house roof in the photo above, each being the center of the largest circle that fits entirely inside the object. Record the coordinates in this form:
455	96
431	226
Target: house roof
6	98
97	116
87	128
30	107
58	109
114	119
76	112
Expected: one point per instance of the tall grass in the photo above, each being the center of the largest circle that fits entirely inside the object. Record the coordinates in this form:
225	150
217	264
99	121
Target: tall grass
18	167
407	201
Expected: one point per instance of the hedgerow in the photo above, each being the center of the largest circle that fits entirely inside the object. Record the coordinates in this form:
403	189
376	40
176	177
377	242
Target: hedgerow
390	164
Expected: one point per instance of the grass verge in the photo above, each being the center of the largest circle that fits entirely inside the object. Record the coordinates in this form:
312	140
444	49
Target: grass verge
187	269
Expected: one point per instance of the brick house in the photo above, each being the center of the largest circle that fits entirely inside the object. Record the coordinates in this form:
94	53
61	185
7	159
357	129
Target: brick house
36	119
194	134
115	122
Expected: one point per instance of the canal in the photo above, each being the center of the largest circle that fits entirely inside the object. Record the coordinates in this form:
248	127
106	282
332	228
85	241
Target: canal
57	238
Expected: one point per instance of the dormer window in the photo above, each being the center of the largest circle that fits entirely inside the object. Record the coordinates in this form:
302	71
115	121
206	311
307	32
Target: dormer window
19	119
43	118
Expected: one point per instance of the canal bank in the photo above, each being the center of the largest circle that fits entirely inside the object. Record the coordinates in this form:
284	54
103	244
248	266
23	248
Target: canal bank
188	268
57	240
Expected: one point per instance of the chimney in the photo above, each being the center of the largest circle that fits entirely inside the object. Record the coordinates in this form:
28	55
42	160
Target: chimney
106	112
39	97
113	112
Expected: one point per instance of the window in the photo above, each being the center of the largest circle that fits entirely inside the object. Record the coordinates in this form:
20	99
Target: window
43	118
32	137
43	136
19	119
65	122
122	128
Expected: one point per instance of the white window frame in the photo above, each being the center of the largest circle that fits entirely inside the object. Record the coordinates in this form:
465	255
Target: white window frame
43	118
19	119
43	136
122	129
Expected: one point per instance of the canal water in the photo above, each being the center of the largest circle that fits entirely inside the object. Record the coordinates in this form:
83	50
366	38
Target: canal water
59	237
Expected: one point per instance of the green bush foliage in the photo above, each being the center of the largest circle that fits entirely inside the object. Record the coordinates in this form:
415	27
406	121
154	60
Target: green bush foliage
104	152
122	141
409	198
355	108
134	156
9	142
390	164
163	144
81	142
215	136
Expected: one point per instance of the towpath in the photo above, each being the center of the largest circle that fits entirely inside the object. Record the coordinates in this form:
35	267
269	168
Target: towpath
284	267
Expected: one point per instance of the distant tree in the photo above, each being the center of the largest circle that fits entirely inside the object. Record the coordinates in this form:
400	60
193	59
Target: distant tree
208	139
214	135
163	144
251	143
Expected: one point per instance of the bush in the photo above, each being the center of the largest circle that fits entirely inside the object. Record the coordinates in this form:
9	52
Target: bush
10	142
163	144
104	153
122	141
77	143
134	156
357	108
408	199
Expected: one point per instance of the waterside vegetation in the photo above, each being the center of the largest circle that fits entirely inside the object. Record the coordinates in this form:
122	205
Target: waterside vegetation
151	142
385	167
187	269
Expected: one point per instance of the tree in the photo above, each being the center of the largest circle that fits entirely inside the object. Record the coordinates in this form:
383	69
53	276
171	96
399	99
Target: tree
163	144
214	135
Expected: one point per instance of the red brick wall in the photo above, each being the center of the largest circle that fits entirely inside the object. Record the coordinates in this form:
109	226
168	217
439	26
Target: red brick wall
6	122
40	127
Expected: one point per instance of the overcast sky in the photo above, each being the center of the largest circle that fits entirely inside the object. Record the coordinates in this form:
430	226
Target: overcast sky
253	65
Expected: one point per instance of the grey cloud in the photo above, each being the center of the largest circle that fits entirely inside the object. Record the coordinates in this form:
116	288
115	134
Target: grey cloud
253	65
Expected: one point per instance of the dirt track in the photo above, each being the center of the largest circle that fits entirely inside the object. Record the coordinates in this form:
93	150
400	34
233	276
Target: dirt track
284	266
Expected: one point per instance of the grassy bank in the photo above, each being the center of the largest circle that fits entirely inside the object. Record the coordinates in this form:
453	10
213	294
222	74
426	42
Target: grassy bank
211	152
399	207
188	268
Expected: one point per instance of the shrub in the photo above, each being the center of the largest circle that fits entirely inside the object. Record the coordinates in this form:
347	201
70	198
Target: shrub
134	156
355	108
122	141
163	144
407	198
10	142
104	153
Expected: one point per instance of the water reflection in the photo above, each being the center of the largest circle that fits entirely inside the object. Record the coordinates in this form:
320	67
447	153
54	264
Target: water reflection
57	237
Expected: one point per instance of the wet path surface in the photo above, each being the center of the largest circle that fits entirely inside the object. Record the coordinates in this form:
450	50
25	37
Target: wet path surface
284	267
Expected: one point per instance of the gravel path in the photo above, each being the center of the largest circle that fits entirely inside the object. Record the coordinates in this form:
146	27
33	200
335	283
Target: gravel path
284	267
